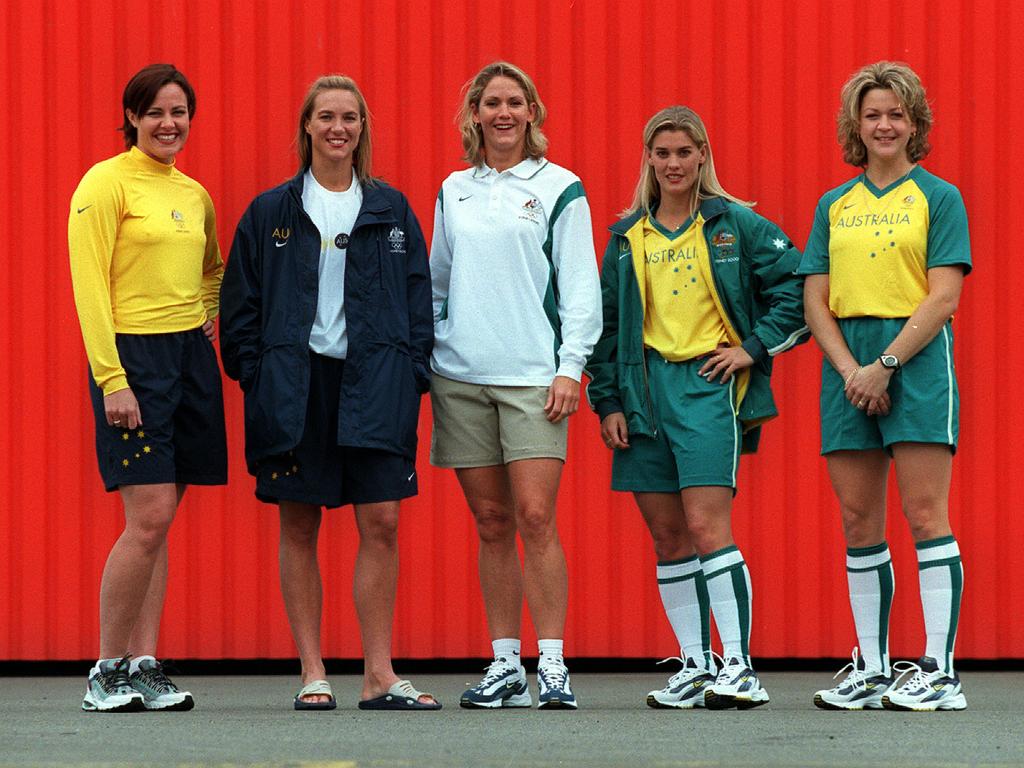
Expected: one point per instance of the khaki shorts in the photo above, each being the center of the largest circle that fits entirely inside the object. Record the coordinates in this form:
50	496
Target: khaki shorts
480	425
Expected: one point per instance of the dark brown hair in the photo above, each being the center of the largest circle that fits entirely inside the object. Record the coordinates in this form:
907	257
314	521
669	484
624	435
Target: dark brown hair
141	91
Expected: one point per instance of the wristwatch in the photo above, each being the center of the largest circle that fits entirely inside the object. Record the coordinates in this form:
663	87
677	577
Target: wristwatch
890	361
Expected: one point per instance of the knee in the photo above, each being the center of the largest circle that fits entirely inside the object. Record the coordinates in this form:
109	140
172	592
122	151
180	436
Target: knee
709	530
300	529
381	529
863	525
536	523
495	523
927	516
149	520
670	542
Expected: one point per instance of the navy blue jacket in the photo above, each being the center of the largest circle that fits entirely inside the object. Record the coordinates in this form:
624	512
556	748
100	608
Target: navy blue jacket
268	304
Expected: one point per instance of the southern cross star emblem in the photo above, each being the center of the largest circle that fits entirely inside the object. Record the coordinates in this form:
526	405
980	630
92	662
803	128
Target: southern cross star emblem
779	243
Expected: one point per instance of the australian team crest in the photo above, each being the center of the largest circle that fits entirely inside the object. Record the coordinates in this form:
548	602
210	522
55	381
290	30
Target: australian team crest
725	244
178	218
531	210
396	237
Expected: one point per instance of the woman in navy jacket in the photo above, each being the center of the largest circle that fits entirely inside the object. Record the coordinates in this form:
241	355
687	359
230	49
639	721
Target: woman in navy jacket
326	323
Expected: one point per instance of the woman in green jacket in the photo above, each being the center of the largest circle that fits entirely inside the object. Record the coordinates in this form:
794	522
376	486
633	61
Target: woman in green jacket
699	294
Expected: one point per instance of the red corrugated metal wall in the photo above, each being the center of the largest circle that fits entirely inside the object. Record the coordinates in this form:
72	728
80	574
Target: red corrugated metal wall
764	75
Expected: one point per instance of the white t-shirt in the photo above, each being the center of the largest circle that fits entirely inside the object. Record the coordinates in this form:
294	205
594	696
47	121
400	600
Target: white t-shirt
334	214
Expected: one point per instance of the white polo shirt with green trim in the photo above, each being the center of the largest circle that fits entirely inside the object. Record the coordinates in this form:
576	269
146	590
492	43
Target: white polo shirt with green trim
517	297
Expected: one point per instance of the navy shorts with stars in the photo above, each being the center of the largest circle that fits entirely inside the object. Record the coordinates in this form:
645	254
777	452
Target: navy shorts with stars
176	379
320	472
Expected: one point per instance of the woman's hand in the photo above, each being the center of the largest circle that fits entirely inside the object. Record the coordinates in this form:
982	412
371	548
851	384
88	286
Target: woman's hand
563	398
122	409
867	389
614	431
724	362
210	329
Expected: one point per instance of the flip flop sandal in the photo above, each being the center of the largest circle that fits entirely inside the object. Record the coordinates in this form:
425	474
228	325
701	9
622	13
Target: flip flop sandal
315	688
401	695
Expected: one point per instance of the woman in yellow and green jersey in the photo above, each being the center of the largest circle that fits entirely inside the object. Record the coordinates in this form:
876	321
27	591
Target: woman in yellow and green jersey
885	263
699	295
146	270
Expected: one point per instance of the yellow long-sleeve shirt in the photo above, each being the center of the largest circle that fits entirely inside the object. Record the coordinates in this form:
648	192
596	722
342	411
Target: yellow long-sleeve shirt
144	256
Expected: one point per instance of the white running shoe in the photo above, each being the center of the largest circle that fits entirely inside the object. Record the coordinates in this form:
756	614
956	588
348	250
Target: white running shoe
737	685
109	690
861	689
503	685
555	690
927	689
158	692
685	689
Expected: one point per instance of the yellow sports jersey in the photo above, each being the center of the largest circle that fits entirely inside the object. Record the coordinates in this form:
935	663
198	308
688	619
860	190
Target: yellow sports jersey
681	319
877	245
144	256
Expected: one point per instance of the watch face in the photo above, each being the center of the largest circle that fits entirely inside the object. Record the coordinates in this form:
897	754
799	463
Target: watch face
890	361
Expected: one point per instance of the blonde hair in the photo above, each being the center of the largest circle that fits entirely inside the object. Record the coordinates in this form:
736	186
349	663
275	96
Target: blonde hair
472	135
906	85
361	158
648	193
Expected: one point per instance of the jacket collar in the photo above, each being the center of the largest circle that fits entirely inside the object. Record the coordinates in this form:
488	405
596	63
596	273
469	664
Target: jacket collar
525	169
709	209
375	202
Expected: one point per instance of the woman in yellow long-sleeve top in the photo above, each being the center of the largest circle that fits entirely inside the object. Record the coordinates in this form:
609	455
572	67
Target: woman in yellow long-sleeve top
146	270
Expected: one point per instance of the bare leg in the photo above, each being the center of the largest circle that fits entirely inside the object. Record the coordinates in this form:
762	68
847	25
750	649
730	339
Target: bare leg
373	588
545	577
923	472
489	497
708	511
148	512
147	628
663	513
859	479
301	587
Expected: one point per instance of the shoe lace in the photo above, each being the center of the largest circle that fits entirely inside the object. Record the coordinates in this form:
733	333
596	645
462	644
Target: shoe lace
496	670
117	677
685	674
918	679
157	679
726	664
857	677
554	675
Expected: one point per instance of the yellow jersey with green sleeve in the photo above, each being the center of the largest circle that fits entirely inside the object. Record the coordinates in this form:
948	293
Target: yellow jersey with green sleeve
877	245
681	318
142	239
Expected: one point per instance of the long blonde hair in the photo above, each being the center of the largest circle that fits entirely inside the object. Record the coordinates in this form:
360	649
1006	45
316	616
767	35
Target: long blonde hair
906	85
361	158
536	144
648	194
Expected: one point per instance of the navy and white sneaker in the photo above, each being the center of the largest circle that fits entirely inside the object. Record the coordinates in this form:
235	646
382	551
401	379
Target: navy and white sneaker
861	689
927	689
503	685
555	690
685	689
108	688
158	692
737	686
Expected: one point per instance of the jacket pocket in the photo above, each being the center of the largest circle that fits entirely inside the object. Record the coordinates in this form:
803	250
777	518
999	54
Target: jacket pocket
275	403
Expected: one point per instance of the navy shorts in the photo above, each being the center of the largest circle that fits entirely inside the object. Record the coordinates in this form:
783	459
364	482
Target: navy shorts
176	379
320	472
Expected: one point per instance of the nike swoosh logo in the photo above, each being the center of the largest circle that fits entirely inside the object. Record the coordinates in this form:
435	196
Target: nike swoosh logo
409	477
81	210
848	206
280	244
623	256
464	198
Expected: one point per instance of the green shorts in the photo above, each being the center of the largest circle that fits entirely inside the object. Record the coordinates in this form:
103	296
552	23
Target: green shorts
925	400
698	435
481	425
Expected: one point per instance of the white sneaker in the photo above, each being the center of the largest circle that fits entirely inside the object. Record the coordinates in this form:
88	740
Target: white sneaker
685	689
158	692
108	689
927	689
737	686
861	689
555	690
503	685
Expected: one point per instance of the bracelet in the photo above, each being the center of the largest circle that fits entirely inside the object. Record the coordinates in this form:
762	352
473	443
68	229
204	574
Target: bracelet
850	377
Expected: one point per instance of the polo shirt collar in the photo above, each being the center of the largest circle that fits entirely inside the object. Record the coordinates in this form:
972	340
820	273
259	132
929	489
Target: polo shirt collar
525	169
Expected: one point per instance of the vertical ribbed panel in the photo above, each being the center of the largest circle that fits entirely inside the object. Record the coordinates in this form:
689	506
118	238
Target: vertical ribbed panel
764	75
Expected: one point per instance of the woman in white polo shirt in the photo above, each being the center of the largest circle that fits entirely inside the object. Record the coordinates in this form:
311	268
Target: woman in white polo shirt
517	309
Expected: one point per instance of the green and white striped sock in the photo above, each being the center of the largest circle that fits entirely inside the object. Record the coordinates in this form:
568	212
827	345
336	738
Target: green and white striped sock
941	575
684	594
728	583
870	578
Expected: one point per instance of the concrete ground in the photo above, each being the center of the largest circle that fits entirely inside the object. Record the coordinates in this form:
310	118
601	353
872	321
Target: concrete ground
249	721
